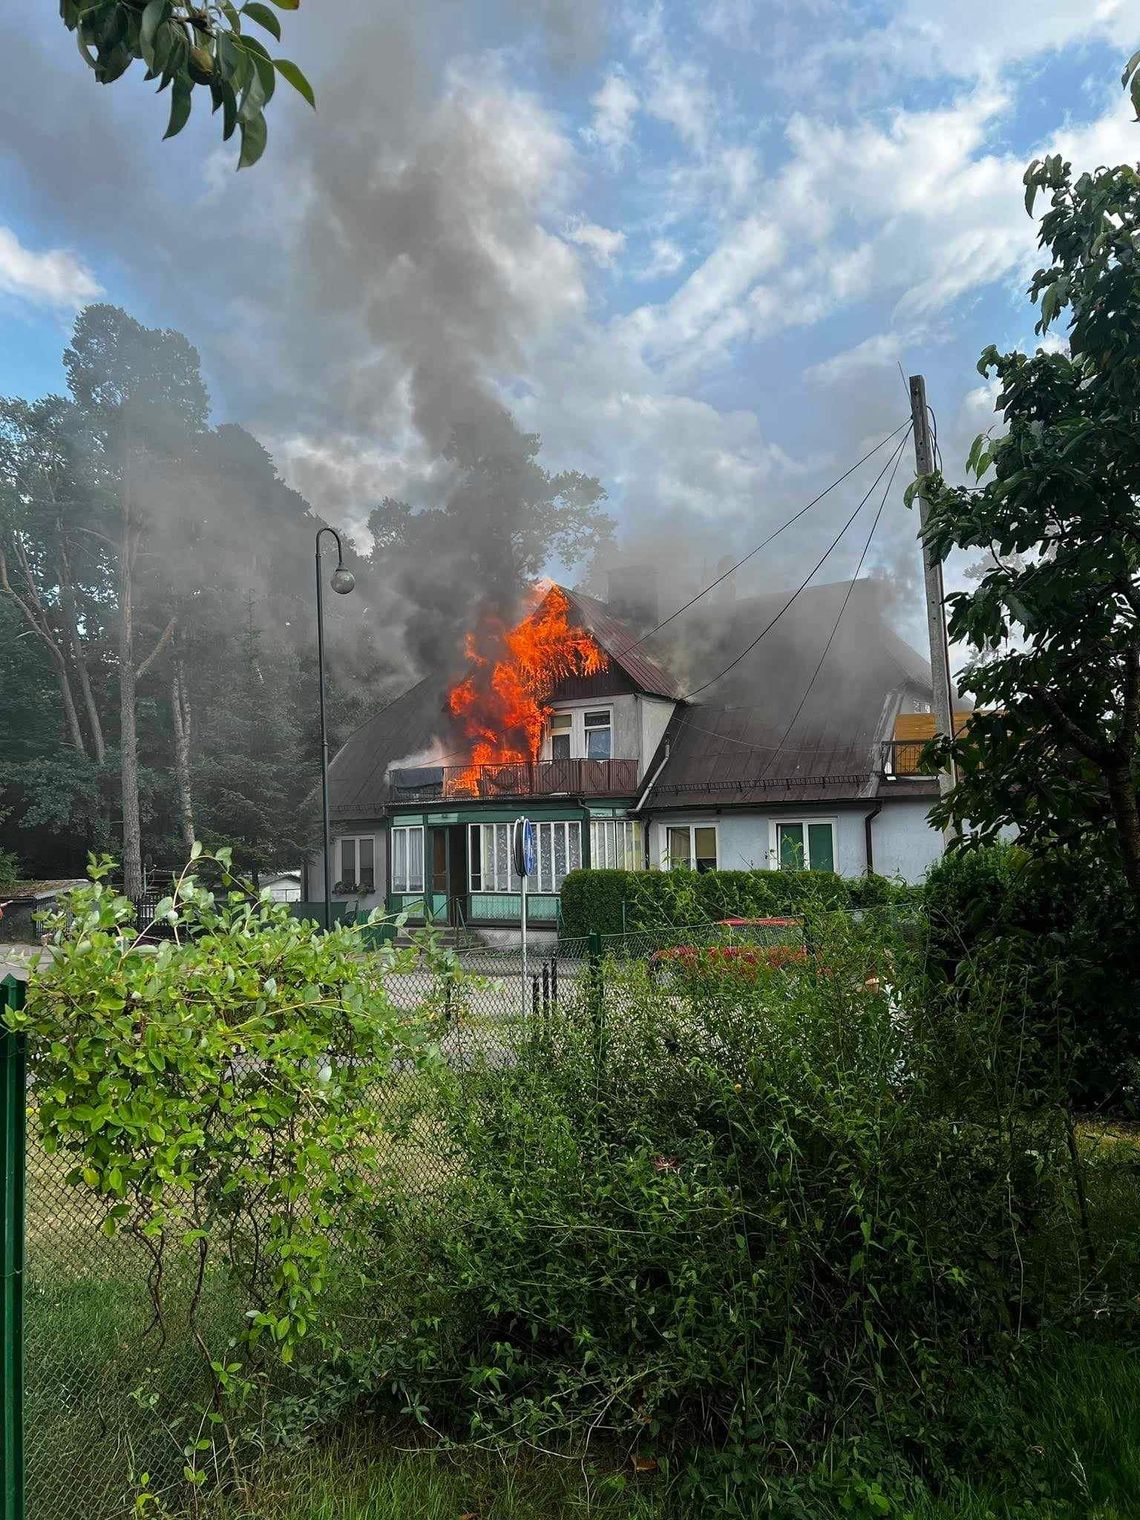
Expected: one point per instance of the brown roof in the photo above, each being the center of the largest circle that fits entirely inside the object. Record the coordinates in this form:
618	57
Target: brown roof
737	741
620	643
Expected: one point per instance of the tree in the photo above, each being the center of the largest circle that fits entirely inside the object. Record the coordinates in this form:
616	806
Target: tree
140	395
190	45
1054	621
53	561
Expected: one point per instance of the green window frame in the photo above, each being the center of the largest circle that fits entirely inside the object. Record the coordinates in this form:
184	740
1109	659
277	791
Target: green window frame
804	844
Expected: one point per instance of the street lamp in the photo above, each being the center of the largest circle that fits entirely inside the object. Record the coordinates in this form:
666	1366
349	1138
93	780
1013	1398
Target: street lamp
342	582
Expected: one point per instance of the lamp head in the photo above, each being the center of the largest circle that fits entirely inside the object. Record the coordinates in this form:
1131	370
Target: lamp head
342	581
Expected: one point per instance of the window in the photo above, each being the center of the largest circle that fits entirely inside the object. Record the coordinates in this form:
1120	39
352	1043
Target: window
575	734
691	846
805	845
491	869
561	725
617	844
599	736
408	859
357	864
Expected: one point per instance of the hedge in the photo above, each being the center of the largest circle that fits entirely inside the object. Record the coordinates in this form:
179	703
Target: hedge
613	902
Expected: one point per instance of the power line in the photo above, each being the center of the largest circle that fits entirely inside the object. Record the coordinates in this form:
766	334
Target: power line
846	599
689	695
712	585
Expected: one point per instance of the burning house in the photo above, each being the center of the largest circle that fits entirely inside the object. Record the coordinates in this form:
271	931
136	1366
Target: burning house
699	758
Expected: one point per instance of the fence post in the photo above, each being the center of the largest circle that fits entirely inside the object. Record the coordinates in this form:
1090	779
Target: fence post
13	1158
597	998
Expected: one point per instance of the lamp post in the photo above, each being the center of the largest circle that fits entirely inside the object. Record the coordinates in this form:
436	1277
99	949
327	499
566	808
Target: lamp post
342	582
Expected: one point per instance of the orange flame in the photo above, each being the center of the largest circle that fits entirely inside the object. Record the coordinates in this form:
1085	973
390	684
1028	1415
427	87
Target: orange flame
502	704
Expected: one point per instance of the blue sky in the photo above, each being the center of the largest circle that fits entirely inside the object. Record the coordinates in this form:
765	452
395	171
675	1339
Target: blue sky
690	245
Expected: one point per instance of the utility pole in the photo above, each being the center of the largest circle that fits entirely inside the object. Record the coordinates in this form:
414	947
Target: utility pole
932	575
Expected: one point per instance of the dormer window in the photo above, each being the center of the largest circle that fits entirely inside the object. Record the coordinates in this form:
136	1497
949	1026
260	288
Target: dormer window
578	733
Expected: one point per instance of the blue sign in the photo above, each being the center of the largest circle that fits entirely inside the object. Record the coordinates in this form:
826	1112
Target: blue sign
525	847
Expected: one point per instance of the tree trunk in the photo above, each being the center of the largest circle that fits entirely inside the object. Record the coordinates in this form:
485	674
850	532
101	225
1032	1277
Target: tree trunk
128	727
71	715
32	611
78	654
180	707
1126	815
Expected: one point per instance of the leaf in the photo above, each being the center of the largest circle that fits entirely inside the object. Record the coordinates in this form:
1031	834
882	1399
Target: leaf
263	16
1130	67
180	101
296	78
287	5
253	139
152	18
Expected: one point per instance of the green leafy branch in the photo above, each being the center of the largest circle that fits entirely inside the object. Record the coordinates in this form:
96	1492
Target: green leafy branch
186	46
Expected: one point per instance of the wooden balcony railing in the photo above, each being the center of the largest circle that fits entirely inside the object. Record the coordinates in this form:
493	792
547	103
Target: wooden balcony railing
536	778
903	758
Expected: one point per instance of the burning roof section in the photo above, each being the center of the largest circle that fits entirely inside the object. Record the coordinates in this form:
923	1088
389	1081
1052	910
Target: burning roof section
736	743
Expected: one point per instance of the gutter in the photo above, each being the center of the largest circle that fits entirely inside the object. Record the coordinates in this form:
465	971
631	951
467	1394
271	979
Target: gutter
868	820
640	803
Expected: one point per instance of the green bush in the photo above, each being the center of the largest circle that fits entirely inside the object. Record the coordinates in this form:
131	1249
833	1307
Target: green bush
718	1227
1067	923
223	1103
594	900
9	869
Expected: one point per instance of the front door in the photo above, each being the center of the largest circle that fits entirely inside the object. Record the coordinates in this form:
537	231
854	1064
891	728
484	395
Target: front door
448	882
457	872
440	876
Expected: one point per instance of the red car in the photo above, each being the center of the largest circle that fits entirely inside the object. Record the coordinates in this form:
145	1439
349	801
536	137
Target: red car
748	947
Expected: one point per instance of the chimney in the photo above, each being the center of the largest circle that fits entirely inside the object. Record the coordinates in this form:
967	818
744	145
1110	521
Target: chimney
633	595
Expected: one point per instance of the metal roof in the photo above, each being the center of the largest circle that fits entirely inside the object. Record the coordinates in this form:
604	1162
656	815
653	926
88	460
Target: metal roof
620	643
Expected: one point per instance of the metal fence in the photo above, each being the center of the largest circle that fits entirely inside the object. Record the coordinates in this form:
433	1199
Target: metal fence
104	1398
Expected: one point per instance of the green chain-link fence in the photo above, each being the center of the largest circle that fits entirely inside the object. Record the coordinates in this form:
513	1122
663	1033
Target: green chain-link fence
103	1385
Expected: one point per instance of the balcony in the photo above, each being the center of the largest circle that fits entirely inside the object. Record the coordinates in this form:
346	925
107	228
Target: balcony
536	778
901	759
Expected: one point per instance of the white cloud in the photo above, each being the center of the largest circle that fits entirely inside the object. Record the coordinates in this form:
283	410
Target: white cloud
665	258
917	211
878	352
603	244
615	109
55	278
681	96
975	38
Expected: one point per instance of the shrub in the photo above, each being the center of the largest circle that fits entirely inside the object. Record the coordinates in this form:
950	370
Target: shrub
1068	923
224	1101
733	1219
9	869
594	900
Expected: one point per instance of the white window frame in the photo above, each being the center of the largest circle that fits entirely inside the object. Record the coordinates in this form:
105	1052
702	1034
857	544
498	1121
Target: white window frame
577	716
617	844
805	819
355	840
699	823
403	882
544	880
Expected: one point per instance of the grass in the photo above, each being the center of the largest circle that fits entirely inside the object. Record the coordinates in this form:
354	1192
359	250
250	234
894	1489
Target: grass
1073	1435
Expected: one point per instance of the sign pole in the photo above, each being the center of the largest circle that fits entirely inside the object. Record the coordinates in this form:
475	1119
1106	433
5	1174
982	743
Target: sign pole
525	858
524	968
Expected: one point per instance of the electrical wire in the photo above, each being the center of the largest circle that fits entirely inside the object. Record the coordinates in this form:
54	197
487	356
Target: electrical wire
712	585
846	599
696	691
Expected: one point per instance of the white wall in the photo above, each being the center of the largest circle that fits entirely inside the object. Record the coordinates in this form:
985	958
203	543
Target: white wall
655	715
903	842
368	900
